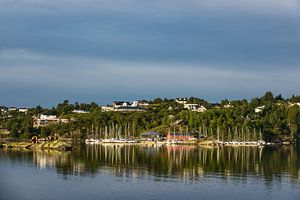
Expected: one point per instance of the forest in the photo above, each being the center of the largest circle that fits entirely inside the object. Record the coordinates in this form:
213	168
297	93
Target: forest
279	120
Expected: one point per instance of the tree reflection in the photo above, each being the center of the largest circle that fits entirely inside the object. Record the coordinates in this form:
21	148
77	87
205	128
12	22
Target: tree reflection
182	162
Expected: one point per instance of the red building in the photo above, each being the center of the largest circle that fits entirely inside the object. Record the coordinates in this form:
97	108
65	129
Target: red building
177	136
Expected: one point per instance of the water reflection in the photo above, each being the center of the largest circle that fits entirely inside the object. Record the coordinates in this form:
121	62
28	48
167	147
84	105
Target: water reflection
180	162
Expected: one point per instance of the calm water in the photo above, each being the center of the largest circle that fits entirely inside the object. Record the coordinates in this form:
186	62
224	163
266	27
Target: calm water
141	172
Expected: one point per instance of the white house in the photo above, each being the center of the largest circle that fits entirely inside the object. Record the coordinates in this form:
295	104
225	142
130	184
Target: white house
48	117
80	111
259	109
190	106
12	109
201	109
181	100
228	106
23	110
293	104
135	104
118	104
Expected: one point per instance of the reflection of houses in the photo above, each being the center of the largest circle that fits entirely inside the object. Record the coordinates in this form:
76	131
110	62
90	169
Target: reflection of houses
45	120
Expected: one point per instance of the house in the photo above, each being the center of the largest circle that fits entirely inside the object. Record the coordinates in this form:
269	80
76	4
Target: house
107	108
123	106
80	111
3	109
200	109
23	110
12	109
259	109
228	106
142	104
294	104
190	106
118	104
181	100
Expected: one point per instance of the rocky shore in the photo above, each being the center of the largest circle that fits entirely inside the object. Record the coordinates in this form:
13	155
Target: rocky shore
54	145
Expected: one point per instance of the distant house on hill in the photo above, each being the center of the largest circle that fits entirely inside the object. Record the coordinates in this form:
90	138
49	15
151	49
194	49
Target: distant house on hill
123	106
3	109
200	109
45	120
259	109
181	100
191	106
80	111
228	106
118	104
23	110
12	109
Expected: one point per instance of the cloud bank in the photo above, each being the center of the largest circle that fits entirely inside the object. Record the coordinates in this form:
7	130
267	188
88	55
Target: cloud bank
126	49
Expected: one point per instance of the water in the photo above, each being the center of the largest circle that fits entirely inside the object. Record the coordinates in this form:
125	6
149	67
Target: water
141	172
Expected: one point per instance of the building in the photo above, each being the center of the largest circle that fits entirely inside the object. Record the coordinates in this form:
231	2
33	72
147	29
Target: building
259	109
107	108
123	106
118	104
3	109
228	106
294	104
45	120
143	104
190	106
12	109
80	111
200	109
23	110
181	100
180	136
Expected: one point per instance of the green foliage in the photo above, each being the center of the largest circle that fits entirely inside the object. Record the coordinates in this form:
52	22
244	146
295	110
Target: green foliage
277	121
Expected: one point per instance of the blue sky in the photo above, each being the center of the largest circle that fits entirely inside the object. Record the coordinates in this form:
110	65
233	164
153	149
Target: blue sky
135	49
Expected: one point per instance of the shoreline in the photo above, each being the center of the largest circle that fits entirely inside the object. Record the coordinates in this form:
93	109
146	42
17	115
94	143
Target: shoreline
60	145
67	145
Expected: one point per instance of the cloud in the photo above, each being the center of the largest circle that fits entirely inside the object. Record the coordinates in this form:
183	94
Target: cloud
79	77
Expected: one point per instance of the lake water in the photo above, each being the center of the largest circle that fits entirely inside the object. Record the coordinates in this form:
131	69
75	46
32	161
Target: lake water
151	172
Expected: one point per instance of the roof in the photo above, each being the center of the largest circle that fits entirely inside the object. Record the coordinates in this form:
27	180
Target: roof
121	102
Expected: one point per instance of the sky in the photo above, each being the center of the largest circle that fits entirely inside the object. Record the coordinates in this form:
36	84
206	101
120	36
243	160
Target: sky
105	50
